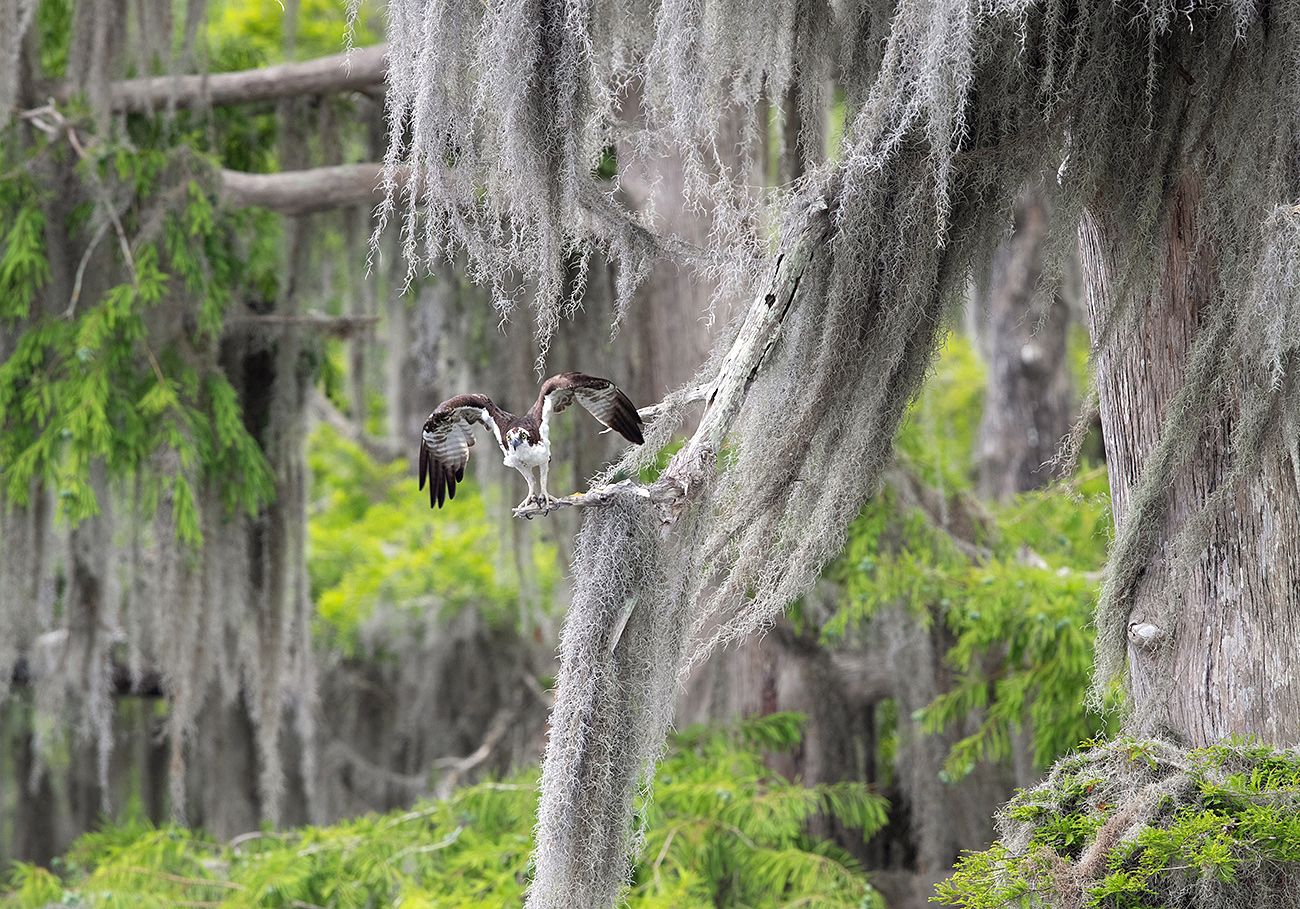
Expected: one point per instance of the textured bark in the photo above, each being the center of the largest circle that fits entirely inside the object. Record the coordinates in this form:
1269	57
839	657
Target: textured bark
1229	622
222	791
1028	399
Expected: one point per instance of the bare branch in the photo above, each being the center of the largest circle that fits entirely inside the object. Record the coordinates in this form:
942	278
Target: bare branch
149	684
457	768
361	70
598	496
301	192
698	393
758	334
339	326
325	411
81	269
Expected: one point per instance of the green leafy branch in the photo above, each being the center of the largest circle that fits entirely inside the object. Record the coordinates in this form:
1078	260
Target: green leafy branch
120	381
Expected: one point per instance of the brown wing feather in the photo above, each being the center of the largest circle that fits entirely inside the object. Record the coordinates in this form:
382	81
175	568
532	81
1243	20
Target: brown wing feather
599	397
445	443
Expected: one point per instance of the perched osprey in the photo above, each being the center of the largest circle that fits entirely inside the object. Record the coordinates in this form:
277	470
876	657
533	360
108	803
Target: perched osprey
525	440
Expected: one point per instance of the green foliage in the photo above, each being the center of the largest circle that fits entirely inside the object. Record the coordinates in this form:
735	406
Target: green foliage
98	382
1192	822
258	27
1017	593
722	831
373	543
937	439
126	375
24	268
1035	618
54	28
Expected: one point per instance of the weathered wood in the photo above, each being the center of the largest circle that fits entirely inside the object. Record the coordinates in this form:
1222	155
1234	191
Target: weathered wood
1222	660
757	337
301	192
361	70
601	495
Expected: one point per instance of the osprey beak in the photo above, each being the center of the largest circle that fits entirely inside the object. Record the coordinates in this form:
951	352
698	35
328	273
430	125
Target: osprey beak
515	442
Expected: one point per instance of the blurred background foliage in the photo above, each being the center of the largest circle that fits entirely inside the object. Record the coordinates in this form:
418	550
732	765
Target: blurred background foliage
723	830
371	545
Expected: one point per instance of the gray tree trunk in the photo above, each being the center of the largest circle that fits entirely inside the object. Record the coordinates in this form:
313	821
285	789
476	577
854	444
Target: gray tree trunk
1231	620
1028	401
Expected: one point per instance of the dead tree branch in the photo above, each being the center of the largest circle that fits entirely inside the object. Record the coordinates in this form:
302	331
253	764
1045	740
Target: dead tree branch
758	334
455	769
363	69
698	393
301	192
323	409
315	189
123	683
338	326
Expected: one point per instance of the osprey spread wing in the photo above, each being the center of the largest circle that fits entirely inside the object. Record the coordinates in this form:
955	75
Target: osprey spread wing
525	440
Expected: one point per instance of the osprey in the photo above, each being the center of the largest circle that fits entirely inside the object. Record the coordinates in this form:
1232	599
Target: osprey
525	440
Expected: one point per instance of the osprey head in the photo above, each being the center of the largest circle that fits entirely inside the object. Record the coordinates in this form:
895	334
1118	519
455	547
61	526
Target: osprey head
515	438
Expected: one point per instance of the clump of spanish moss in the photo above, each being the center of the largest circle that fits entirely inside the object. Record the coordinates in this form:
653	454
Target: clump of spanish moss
494	136
132	558
613	707
709	58
1144	822
502	119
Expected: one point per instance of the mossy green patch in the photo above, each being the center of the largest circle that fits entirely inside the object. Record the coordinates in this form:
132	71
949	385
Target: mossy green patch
1141	824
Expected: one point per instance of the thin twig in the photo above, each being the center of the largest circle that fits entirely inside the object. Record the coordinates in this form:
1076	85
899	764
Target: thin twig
186	881
663	853
448	840
81	270
241	839
123	243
